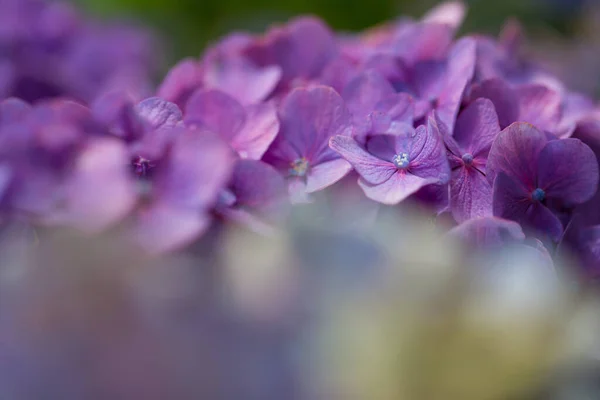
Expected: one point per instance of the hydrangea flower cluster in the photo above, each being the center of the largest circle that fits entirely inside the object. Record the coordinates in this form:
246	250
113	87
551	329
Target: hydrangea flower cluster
48	50
405	112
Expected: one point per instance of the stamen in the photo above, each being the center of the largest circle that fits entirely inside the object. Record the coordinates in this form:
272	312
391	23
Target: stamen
299	167
401	161
538	195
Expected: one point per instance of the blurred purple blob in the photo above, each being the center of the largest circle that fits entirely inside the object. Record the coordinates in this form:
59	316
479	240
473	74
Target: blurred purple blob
48	50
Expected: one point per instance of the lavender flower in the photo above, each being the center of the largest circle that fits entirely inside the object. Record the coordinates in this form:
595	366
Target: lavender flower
48	50
309	118
392	167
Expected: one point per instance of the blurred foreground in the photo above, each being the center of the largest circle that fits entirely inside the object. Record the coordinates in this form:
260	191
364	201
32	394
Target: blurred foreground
325	309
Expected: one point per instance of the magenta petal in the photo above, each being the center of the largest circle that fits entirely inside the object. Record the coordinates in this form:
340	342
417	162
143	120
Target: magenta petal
261	128
470	195
516	152
428	154
100	192
477	127
369	167
325	174
181	81
510	199
488	232
461	67
215	111
540	106
159	113
397	188
162	228
568	170
241	80
542	219
504	98
198	167
309	117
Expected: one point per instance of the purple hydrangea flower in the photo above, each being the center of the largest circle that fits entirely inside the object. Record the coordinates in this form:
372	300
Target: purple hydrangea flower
249	130
309	118
393	167
50	51
529	172
470	192
182	189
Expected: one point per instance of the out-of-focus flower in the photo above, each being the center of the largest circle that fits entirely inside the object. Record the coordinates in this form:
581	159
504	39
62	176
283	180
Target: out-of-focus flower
62	54
529	173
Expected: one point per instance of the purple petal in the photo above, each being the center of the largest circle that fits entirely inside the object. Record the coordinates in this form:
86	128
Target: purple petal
326	174
516	152
575	108
540	106
461	67
470	195
259	187
568	170
510	199
399	107
117	111
243	81
395	189
163	228
429	79
198	168
504	98
13	110
159	113
370	168
215	111
181	81
302	48
477	127
297	191
542	219
422	41
362	95
488	232
428	154
259	131
383	146
100	192
309	117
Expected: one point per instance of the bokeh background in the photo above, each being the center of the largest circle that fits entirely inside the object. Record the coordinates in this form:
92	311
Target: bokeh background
188	25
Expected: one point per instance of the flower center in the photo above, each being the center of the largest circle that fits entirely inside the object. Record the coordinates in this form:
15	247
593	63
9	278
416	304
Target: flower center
467	159
401	160
538	195
142	166
299	167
